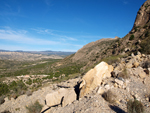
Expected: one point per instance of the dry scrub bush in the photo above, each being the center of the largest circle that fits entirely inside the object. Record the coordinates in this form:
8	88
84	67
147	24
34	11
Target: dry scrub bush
2	100
135	106
34	108
124	74
109	96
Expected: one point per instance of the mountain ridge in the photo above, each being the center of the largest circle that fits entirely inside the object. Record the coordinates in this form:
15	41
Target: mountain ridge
138	39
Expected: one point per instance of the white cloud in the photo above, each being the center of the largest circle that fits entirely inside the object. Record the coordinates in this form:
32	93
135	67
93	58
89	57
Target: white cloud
20	40
21	37
51	33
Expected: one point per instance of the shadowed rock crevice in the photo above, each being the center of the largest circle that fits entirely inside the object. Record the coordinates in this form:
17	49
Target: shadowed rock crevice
77	90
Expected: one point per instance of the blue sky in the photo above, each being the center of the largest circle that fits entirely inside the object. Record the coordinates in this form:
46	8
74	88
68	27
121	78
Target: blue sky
63	25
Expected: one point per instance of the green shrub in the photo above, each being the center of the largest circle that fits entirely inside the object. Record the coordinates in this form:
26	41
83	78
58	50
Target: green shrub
136	28
147	34
131	37
3	89
38	80
34	108
135	106
21	85
29	81
145	26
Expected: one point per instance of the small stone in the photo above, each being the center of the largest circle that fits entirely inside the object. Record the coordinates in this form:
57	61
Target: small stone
147	99
147	105
132	55
100	90
120	82
136	96
136	64
143	55
115	85
107	86
139	53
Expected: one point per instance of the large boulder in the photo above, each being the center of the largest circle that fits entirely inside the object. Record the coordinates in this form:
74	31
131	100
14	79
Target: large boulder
94	77
55	98
62	96
69	97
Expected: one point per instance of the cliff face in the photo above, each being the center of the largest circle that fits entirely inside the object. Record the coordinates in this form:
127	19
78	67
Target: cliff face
143	15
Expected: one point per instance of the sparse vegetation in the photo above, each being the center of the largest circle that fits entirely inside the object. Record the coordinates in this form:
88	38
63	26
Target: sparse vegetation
3	89
145	26
146	6
135	106
16	88
147	34
145	46
131	37
109	96
112	59
29	81
34	108
17	68
2	99
136	28
124	74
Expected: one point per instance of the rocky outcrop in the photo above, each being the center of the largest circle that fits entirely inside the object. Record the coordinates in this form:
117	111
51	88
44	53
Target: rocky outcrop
69	97
19	105
62	96
94	77
123	89
143	15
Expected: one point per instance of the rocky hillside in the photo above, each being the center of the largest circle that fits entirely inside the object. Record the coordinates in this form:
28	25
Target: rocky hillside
115	88
138	39
119	83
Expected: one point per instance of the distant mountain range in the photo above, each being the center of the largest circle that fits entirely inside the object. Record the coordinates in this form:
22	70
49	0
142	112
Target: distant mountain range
48	52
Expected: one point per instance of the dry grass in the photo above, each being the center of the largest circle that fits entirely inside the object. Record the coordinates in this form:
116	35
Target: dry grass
109	96
34	108
124	74
2	100
135	106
